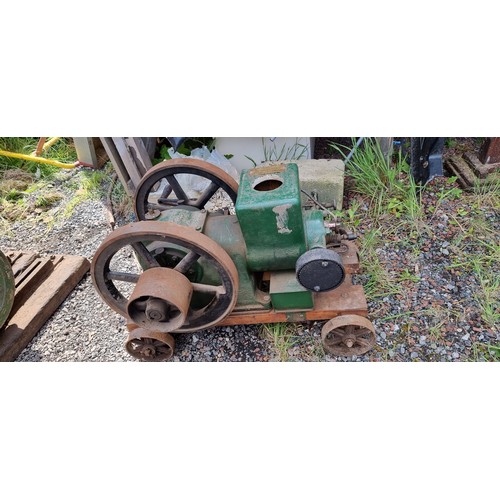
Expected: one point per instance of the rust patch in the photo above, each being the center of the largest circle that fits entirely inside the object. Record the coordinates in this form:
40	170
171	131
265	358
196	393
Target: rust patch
281	212
269	169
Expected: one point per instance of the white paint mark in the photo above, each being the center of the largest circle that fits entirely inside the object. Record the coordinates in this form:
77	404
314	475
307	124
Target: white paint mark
281	212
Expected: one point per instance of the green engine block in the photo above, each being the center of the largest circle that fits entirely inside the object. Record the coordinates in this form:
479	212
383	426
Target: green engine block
269	232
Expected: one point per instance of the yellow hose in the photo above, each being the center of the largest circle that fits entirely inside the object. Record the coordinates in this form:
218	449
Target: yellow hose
50	142
37	159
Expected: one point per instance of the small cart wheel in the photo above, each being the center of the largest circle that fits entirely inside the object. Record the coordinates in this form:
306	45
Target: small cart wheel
348	335
150	346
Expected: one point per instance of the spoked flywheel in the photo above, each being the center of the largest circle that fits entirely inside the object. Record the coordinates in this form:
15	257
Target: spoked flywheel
7	288
150	346
165	277
348	335
160	188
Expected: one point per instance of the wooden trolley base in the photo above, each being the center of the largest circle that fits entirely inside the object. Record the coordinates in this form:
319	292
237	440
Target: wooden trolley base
346	299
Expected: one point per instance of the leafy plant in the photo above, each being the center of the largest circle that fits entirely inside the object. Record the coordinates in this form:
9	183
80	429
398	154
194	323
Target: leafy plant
406	275
185	148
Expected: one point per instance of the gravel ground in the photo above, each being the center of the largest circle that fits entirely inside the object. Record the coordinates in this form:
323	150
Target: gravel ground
435	317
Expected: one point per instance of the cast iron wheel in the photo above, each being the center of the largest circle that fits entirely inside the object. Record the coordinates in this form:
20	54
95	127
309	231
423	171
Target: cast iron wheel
136	238
7	288
348	335
149	203
149	345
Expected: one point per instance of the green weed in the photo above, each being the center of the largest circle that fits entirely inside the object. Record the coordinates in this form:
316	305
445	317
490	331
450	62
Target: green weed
282	337
485	352
488	299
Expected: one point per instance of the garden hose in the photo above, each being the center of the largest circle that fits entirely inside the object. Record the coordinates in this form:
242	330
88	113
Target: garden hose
45	161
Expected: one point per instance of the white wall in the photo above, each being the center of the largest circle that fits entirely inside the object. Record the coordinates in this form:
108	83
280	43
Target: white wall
264	148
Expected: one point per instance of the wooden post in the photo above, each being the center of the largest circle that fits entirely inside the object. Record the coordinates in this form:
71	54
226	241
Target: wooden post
85	150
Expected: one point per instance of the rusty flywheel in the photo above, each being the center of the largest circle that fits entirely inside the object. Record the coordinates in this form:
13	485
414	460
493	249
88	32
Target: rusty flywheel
348	335
150	346
128	271
160	189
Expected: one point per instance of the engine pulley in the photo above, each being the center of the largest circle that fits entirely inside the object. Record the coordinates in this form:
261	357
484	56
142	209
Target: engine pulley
320	270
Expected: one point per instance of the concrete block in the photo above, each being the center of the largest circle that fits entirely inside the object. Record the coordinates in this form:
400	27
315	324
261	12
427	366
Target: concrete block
324	179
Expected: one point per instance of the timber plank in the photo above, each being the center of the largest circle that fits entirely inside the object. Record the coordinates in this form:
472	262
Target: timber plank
346	299
31	278
118	164
21	261
38	306
132	168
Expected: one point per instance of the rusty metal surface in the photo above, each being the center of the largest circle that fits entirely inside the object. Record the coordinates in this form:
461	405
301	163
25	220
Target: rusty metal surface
167	170
346	299
349	252
490	151
160	300
149	345
348	335
224	296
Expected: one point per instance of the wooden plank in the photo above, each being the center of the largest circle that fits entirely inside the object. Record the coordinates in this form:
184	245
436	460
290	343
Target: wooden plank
127	159
19	261
40	305
85	150
139	154
480	169
118	165
30	279
346	299
459	168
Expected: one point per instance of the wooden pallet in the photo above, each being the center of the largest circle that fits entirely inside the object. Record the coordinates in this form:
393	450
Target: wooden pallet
41	285
471	172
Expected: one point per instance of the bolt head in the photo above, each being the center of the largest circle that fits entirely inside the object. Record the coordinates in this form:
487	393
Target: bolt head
324	263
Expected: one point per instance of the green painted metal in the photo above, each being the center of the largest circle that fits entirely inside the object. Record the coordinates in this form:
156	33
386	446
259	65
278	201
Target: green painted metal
269	233
7	288
185	217
225	230
287	293
315	229
269	212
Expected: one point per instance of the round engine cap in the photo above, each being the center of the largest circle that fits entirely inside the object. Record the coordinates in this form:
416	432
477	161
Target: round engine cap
320	270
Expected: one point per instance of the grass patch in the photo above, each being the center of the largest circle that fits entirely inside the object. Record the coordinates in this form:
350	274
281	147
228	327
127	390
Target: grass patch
91	186
380	283
282	336
488	299
485	352
121	201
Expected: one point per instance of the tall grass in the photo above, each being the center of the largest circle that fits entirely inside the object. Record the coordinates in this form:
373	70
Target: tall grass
387	183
